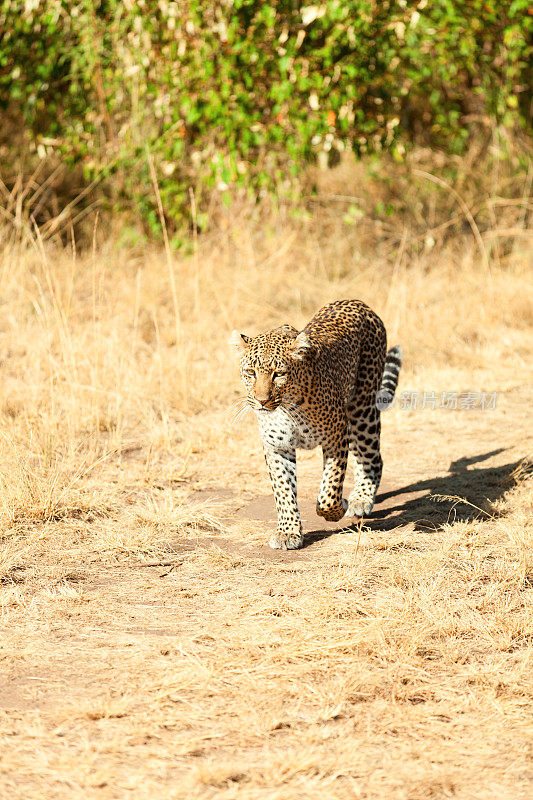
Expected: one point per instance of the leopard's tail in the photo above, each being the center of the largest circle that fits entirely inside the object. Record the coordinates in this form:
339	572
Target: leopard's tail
389	382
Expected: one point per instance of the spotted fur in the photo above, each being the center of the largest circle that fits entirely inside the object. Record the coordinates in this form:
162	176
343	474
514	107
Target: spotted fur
318	388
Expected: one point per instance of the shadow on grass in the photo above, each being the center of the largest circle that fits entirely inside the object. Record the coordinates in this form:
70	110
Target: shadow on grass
431	503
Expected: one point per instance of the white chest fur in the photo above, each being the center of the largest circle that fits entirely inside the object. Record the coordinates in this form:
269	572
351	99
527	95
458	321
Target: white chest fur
287	431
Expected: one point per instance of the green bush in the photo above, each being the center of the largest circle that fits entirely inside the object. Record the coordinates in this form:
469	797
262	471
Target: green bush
232	94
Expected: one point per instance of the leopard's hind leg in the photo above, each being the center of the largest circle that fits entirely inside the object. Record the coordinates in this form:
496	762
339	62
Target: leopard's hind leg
364	428
364	423
376	373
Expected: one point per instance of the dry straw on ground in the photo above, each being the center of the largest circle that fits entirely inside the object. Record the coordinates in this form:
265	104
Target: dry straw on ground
151	643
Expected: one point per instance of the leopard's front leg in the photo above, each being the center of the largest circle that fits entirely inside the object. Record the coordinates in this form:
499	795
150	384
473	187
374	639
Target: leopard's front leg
330	503
281	465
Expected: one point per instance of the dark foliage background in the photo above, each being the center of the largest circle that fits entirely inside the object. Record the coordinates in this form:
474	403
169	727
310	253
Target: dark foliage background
237	96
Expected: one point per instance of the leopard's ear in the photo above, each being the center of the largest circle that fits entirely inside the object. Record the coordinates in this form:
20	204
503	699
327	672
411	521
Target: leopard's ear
239	341
302	347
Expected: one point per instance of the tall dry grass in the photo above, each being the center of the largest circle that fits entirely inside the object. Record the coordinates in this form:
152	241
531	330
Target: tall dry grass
92	364
92	369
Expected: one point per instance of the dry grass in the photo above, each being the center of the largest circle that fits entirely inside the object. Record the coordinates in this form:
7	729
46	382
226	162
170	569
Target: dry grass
148	649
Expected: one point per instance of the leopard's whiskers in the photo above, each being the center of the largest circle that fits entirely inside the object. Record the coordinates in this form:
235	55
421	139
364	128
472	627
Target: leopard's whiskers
239	402
236	406
240	407
238	415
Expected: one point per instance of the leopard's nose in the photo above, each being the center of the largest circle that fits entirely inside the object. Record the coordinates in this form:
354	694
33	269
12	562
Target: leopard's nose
262	397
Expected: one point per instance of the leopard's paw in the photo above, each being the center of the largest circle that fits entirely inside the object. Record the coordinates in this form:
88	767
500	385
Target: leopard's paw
286	541
332	513
359	506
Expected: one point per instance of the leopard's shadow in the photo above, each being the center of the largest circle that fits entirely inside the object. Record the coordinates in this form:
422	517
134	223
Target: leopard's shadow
427	505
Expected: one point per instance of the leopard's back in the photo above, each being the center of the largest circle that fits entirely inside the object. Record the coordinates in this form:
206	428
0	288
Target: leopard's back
351	343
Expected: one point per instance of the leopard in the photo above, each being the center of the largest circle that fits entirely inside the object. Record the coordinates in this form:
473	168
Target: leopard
324	386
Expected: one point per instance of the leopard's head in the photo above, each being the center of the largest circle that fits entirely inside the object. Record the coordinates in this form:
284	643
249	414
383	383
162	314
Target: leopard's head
270	365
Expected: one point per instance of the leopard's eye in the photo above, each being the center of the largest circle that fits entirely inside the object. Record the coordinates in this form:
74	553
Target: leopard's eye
249	373
279	373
